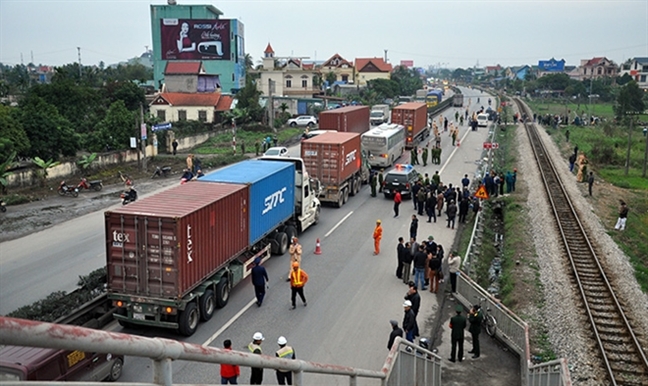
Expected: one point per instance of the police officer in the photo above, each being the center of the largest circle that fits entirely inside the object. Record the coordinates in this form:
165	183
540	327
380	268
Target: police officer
458	325
381	178
284	352
372	181
256	377
475	319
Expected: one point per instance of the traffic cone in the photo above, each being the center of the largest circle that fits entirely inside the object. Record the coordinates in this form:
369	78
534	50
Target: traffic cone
318	248
458	143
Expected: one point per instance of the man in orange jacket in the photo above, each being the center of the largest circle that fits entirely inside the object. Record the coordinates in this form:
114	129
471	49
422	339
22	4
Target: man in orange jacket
298	278
377	236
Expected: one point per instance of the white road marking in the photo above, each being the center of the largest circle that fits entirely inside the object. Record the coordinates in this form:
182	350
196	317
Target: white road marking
229	323
453	152
338	224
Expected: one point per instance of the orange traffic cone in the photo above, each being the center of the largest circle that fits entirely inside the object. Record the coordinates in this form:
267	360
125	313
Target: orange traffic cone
458	143
318	248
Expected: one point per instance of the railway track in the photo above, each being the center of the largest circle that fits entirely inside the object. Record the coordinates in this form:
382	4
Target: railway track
624	360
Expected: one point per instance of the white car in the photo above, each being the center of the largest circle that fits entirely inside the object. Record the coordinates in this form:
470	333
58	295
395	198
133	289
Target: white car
303	120
277	151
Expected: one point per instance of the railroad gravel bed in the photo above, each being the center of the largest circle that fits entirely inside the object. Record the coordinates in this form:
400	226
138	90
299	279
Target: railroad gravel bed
563	313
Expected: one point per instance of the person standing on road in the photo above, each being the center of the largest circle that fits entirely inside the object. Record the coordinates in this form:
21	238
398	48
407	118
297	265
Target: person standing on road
399	256
451	211
295	251
256	377
257	147
414	226
373	182
454	263
377	236
229	373
475	319
190	163
396	331
259	278
430	203
409	322
420	260
284	352
298	279
623	216
434	266
381	179
406	258
414	297
457	325
174	144
590	182
465	181
464	205
397	202
572	162
420	197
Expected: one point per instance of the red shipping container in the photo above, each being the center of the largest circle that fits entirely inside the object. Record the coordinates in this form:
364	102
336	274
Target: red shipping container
332	157
413	116
166	244
350	119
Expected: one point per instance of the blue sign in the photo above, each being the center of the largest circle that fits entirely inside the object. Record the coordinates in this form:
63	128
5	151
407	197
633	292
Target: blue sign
161	126
552	65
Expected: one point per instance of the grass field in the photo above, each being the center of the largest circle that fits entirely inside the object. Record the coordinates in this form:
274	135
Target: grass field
222	143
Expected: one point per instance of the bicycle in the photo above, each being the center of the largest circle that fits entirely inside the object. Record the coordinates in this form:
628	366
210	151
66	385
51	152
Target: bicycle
488	321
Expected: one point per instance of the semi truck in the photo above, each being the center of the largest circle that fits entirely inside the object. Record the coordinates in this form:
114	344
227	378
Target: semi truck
457	100
173	257
350	119
337	161
413	116
379	114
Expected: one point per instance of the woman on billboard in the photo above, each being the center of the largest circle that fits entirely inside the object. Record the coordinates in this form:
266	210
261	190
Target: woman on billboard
184	42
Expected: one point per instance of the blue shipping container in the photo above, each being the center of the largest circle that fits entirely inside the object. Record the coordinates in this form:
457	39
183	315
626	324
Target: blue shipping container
272	192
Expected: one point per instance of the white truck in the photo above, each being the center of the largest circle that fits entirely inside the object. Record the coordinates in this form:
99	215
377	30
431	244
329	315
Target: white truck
379	114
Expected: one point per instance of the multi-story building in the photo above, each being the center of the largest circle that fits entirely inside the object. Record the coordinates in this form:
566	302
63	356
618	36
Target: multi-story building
597	68
367	69
637	68
287	76
196	33
342	68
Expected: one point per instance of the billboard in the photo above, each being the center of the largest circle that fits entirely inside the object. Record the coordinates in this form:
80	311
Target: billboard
195	39
407	63
552	65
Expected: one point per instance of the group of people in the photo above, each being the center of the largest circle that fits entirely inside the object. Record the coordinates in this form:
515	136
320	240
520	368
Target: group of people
230	373
496	184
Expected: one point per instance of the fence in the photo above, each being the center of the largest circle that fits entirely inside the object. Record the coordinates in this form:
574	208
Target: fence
407	364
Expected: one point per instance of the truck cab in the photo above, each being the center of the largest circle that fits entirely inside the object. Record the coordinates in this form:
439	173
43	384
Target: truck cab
307	189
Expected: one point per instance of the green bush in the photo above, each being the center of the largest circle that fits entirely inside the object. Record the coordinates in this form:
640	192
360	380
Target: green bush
16	199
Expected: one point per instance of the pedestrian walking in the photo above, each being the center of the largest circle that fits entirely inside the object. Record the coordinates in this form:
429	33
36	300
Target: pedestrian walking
284	352
397	202
399	256
229	373
256	377
409	321
454	262
259	278
451	212
623	216
590	182
457	325
445	124
174	144
396	331
407	258
377	236
475	319
295	251
298	278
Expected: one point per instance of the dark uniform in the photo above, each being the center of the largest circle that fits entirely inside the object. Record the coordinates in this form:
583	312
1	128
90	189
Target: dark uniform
373	184
458	325
475	319
381	178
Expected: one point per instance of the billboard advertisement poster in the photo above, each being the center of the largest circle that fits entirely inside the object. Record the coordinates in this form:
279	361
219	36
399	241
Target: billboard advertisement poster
407	63
195	39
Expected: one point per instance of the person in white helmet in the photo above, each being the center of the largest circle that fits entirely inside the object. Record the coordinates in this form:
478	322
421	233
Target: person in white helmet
256	378
285	352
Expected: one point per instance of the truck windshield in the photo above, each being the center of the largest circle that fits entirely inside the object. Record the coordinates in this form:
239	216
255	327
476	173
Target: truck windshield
376	114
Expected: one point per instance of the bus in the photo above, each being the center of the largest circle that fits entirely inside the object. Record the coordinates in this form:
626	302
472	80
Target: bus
384	144
433	98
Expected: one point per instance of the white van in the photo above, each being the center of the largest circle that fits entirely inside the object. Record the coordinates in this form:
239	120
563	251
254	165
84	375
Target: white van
482	120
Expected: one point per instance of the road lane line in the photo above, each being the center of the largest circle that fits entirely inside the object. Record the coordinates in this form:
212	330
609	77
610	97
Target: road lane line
338	224
453	152
229	323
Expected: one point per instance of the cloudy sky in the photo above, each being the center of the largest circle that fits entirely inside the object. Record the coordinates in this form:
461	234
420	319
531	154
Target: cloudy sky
454	33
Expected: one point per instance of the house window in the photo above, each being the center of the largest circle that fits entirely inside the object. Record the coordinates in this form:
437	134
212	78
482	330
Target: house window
202	116
599	71
182	115
304	83
345	78
288	83
161	114
643	79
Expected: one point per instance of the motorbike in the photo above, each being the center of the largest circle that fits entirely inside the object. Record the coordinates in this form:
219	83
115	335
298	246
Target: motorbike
95	185
67	190
3	206
129	196
161	172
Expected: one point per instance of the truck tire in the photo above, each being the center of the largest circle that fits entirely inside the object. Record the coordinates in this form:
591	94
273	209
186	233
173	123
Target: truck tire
354	186
207	305
282	240
115	370
291	232
188	320
346	195
222	292
317	216
340	200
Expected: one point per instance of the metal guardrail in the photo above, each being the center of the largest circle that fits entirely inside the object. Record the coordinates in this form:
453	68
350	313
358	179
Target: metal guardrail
551	373
408	365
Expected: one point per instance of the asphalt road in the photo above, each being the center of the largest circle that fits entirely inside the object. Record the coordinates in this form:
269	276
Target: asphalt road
351	294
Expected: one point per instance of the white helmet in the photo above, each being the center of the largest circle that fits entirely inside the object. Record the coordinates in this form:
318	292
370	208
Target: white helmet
282	340
258	336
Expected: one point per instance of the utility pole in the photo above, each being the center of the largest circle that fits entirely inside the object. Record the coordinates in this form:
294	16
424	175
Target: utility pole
270	105
79	54
143	136
385	56
627	165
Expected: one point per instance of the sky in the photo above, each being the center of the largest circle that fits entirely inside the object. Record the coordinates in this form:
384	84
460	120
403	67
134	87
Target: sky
446	34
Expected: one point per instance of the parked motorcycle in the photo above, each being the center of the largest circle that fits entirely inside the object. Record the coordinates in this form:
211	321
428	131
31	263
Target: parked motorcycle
3	206
161	172
129	196
95	185
67	190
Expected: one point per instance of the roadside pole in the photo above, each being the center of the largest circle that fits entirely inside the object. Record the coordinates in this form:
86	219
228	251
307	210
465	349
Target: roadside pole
143	137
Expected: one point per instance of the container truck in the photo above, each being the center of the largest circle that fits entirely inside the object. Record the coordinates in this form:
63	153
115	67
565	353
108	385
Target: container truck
420	95
413	116
379	114
337	161
173	258
457	100
350	119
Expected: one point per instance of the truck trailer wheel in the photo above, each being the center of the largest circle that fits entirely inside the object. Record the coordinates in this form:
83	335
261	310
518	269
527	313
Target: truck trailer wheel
317	216
207	305
222	292
346	195
340	200
282	240
188	320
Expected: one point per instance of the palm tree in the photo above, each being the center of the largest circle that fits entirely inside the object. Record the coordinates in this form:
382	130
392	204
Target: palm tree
6	165
44	165
283	107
